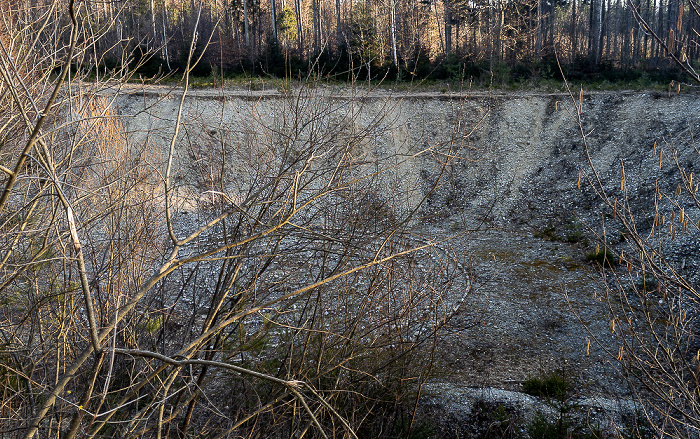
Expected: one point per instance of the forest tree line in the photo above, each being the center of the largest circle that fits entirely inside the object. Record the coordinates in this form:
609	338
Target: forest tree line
408	38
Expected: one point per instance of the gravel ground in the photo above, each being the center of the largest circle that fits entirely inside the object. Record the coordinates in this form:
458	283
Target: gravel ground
509	197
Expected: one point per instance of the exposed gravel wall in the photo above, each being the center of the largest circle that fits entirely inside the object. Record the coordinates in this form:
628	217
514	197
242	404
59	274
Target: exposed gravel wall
518	155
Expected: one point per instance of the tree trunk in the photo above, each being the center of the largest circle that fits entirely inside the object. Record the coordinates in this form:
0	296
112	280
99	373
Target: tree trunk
393	31
300	28
671	19
551	25
165	42
274	20
154	32
338	28
448	29
538	30
245	25
604	41
439	28
316	27
572	31
501	17
596	31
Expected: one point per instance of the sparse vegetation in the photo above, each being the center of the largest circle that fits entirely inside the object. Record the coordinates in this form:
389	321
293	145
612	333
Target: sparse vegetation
495	421
548	233
565	427
553	386
572	233
602	256
568	420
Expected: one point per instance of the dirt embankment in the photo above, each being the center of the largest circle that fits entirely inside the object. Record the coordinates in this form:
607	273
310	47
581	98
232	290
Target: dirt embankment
509	189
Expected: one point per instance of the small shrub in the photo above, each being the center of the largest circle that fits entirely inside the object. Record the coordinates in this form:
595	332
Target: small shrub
153	324
637	426
418	430
553	386
418	66
491	420
565	427
499	73
520	73
603	257
574	233
575	237
646	283
541	428
548	233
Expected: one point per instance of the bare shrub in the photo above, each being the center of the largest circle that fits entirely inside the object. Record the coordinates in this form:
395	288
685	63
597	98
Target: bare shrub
649	280
260	280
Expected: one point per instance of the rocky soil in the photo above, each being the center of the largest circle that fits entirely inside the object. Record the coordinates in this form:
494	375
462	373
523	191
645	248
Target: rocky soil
520	225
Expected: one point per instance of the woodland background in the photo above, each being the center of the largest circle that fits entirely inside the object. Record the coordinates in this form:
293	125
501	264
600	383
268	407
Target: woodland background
403	39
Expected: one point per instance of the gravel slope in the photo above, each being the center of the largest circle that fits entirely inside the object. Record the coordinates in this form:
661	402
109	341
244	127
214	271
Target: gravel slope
510	198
